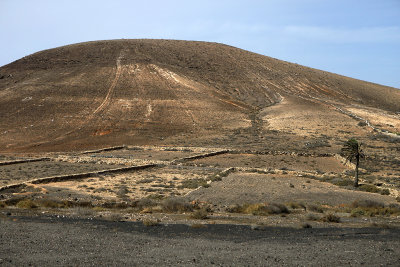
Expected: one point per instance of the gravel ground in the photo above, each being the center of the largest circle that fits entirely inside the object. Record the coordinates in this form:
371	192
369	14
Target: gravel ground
50	241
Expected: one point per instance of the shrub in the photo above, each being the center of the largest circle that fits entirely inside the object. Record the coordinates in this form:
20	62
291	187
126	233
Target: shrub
296	205
315	208
367	203
145	203
306	225
331	218
194	183
234	208
313	217
26	204
385	191
200	214
2	204
373	208
150	222
369	188
47	203
344	182
266	209
175	205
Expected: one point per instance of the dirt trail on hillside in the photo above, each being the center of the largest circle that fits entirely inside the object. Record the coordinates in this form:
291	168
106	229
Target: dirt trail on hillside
107	99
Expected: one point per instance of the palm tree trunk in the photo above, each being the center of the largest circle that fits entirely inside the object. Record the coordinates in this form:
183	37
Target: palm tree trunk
356	172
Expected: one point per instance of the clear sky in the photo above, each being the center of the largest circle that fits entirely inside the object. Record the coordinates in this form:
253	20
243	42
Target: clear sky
356	38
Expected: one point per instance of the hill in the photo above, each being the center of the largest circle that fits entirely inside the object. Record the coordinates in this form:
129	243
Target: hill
142	92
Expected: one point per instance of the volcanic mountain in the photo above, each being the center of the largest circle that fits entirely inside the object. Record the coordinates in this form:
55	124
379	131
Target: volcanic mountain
147	92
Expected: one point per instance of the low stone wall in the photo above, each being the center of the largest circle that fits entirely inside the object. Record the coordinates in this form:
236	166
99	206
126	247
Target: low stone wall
22	161
77	176
103	149
205	155
287	153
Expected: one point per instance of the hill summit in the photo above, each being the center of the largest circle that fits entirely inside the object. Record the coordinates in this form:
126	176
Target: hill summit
136	92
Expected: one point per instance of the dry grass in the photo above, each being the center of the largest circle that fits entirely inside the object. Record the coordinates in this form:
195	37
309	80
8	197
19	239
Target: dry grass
373	208
194	183
175	205
150	222
330	218
262	209
200	214
315	208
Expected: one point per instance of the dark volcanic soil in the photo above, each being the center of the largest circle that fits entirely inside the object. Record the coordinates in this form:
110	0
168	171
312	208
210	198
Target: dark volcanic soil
46	241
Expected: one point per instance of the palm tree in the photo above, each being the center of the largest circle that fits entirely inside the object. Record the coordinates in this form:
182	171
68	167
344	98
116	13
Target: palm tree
352	150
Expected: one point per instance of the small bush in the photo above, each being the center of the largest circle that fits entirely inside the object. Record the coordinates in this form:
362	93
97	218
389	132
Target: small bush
313	217
296	205
2	204
306	225
150	222
175	205
344	182
145	203
194	183
234	208
52	204
367	203
26	204
200	214
315	208
369	188
373	208
385	191
266	209
331	218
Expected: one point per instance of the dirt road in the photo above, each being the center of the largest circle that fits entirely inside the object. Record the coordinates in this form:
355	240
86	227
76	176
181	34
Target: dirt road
50	241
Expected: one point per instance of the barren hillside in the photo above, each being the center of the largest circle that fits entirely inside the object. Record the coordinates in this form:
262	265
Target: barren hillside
140	92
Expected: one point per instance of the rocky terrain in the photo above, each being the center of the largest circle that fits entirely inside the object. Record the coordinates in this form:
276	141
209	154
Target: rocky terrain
159	140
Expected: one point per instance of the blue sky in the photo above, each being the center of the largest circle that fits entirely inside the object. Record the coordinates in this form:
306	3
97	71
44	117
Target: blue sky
355	38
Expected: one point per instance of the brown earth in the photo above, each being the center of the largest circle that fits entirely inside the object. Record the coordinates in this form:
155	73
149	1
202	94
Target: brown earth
168	100
136	92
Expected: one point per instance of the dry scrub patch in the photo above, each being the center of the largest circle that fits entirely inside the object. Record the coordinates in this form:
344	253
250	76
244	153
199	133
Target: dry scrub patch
284	162
31	170
384	119
154	183
309	119
244	187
